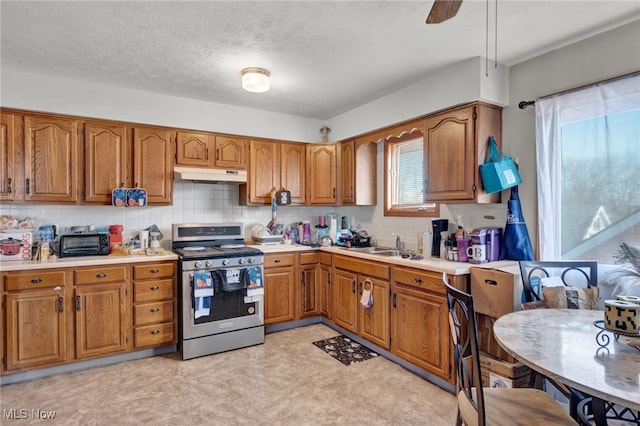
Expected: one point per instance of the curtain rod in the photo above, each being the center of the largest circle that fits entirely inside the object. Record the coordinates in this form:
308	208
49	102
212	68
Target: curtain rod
525	104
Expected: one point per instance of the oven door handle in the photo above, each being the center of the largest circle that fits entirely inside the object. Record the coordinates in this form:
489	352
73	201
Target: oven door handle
193	298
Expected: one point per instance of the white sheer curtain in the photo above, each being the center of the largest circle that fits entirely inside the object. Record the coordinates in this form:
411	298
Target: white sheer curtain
551	113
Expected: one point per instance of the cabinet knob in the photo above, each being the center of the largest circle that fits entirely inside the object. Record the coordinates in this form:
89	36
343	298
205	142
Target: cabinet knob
154	288
101	275
154	310
154	271
155	331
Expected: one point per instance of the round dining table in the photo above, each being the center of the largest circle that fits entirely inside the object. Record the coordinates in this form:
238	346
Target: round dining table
565	345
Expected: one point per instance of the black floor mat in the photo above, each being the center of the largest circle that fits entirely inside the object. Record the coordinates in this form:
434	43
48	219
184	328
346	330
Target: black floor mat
345	350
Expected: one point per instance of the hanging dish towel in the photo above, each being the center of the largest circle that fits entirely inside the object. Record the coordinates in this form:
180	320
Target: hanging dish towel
253	277
202	293
367	294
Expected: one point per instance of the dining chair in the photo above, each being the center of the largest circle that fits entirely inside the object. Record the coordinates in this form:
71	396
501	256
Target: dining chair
572	273
478	406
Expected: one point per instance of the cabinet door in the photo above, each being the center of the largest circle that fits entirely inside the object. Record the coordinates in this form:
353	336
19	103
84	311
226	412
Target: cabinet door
420	330
101	319
348	175
263	171
192	149
322	173
231	153
9	166
51	159
325	291
374	322
153	164
36	329
279	296
309	305
449	155
107	152
292	170
345	300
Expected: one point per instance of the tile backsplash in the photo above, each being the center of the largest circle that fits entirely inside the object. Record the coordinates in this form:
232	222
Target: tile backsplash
213	203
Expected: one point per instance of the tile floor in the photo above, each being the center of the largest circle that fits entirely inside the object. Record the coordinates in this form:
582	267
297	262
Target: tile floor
286	381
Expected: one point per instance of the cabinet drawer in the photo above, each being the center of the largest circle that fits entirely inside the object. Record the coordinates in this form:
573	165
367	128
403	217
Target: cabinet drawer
152	335
281	259
152	291
306	258
153	270
101	275
324	258
364	267
418	278
32	280
150	313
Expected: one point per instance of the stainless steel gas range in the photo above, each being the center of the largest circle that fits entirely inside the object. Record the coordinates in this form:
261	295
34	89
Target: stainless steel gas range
221	289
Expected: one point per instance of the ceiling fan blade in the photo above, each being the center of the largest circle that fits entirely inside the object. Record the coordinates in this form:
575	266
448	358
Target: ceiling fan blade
443	10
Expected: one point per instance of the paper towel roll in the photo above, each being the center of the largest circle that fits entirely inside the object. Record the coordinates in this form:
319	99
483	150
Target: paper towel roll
632	299
620	315
333	229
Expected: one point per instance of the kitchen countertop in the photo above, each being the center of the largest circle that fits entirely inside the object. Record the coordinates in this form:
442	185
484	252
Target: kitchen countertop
71	262
430	264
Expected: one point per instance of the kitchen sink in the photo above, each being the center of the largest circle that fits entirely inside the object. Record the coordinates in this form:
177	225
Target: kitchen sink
392	252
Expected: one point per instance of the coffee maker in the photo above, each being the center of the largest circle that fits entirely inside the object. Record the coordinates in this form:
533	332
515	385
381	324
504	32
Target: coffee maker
439	225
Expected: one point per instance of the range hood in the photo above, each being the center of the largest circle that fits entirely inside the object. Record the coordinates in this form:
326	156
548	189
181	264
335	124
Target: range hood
209	175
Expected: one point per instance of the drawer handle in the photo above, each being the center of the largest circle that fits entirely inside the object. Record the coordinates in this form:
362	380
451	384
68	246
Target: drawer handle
276	261
101	275
154	310
155	271
154	288
155	331
60	304
36	280
418	280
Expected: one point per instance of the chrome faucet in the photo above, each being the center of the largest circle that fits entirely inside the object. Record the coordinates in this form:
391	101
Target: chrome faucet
398	241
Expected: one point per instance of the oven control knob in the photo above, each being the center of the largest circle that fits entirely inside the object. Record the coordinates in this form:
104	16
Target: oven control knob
209	264
198	263
242	260
225	261
251	260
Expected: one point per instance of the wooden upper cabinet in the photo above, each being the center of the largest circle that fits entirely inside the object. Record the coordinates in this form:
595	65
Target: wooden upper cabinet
322	173
455	146
293	170
358	166
263	173
194	149
348	175
107	150
231	153
153	163
51	159
10	125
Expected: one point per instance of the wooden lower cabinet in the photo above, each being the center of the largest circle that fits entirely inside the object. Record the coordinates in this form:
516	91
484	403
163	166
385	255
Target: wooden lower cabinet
155	314
349	279
62	315
324	282
308	289
279	287
420	325
39	319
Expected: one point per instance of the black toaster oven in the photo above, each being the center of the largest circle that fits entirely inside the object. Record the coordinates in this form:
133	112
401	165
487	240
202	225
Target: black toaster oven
89	244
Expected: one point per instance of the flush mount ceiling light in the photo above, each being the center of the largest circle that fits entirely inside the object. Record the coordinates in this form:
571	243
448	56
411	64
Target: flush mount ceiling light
255	80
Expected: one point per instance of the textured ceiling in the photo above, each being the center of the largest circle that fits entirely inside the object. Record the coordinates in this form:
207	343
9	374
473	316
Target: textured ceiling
325	57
